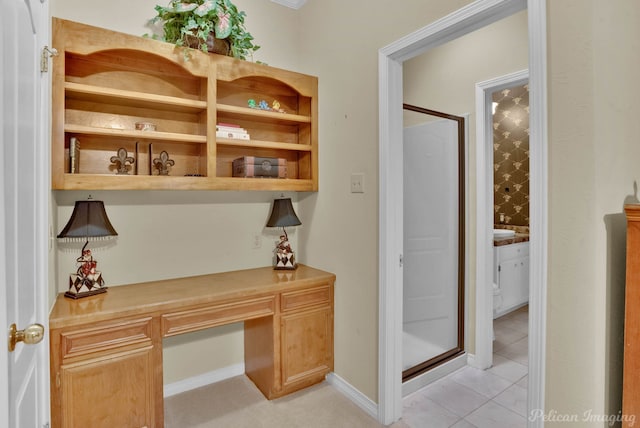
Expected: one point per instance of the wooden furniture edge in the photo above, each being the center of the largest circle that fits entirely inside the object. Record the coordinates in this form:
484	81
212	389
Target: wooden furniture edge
170	294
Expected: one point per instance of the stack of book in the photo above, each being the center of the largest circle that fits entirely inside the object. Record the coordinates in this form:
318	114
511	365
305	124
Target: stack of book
74	155
232	131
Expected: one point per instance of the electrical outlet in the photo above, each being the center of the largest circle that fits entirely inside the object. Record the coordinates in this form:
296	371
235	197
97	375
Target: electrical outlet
256	240
357	182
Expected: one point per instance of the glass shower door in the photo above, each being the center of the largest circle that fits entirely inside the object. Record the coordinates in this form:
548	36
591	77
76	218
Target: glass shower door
433	303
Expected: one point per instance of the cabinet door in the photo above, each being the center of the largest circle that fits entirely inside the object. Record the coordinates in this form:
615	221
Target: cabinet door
514	280
112	391
508	279
523	280
307	347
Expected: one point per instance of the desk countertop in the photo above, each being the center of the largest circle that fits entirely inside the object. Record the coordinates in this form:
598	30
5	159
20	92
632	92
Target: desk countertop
162	296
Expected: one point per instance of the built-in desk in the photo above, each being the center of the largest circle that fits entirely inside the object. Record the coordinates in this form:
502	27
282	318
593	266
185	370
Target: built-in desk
106	350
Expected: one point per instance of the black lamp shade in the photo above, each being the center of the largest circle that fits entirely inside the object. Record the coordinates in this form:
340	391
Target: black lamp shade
282	214
88	220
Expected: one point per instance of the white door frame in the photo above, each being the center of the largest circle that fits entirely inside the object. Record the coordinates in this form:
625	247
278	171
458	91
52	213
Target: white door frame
483	358
474	16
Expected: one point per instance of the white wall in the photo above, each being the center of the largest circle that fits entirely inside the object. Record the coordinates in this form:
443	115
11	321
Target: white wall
593	161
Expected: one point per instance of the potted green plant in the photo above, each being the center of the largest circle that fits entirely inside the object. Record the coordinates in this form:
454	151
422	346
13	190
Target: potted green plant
209	25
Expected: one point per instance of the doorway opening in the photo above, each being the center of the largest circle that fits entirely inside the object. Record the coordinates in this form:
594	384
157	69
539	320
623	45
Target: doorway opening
434	239
488	298
391	58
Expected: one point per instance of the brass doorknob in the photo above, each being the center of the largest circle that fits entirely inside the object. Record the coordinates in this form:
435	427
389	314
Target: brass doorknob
30	335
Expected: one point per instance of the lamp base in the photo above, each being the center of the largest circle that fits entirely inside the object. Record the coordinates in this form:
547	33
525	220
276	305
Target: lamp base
85	293
285	262
294	267
81	285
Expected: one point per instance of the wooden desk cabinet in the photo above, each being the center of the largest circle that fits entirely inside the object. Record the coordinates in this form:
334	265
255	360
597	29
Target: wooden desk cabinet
106	350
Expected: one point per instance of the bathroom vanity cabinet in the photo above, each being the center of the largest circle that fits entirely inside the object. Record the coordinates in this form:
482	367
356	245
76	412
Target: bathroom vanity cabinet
511	275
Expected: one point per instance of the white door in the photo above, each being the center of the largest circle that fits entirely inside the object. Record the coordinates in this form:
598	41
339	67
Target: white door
430	298
24	374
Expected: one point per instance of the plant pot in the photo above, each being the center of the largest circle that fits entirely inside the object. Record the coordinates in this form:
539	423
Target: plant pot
214	45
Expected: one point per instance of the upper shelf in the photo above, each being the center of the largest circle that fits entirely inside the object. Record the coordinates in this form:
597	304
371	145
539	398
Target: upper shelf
132	98
263	144
263	115
135	134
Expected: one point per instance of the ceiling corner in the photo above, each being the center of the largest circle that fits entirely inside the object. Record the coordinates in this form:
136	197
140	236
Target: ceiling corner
293	4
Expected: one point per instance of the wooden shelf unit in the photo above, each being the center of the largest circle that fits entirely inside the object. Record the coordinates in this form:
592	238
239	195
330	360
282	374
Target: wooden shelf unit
104	82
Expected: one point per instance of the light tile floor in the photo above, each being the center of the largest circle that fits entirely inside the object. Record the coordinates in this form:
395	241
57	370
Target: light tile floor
469	397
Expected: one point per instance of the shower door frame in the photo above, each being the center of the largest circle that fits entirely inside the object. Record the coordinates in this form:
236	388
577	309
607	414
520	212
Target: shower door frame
429	364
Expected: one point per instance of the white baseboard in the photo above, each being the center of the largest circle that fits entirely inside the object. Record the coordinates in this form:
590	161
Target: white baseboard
358	398
203	379
434	374
471	360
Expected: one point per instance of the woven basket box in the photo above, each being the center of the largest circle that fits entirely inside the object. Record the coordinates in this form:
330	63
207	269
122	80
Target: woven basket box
252	166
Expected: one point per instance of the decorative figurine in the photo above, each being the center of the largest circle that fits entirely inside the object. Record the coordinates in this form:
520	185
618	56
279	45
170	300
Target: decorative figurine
285	258
275	106
122	161
163	162
263	105
87	280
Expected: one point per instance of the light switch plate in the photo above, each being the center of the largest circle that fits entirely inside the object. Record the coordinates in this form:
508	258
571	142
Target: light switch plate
256	241
357	182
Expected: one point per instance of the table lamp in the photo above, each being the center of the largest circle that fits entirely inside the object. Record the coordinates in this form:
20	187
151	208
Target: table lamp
282	215
88	221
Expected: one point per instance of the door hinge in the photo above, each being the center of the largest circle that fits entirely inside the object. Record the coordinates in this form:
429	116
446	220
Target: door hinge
401	260
47	53
499	268
58	380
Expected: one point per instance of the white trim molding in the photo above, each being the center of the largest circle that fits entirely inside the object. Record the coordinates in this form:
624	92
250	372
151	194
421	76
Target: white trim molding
357	397
293	4
484	214
444	369
390	58
538	213
390	247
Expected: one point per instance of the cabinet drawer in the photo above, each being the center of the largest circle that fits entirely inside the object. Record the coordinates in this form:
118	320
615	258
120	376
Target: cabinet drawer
301	299
513	251
106	337
198	319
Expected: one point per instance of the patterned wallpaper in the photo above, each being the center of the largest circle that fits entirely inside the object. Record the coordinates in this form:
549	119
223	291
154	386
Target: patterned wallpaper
511	155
